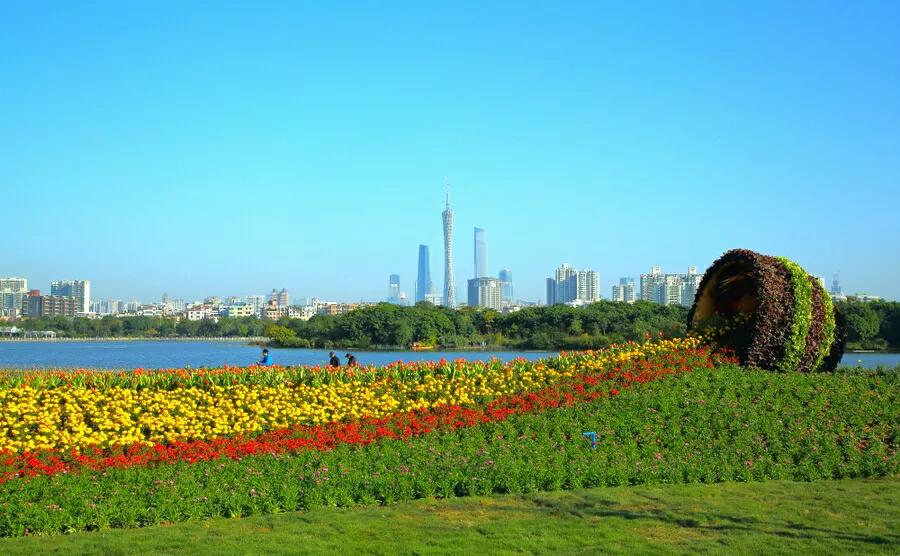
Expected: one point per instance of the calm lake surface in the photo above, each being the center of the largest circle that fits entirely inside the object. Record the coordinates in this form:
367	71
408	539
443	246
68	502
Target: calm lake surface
164	354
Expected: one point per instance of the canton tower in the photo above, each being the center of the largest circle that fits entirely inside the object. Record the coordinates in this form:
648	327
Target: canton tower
449	284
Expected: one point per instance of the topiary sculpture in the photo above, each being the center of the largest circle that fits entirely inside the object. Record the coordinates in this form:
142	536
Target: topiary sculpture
769	312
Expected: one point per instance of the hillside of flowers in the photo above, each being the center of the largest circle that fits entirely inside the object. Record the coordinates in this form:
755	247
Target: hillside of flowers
83	449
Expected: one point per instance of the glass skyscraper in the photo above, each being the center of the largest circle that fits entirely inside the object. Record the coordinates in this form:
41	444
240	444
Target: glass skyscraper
394	289
423	278
481	255
506	288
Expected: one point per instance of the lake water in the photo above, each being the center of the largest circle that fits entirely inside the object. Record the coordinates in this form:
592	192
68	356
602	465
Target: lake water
165	354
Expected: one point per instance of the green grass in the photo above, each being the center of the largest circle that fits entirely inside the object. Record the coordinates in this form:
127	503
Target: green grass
825	517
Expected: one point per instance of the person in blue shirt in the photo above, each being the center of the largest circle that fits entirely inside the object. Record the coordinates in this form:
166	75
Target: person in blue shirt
266	360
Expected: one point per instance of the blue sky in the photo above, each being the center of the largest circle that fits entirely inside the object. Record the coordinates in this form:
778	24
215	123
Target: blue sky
227	148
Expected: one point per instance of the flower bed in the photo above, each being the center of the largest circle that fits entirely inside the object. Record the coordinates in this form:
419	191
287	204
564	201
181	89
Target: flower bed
53	421
708	425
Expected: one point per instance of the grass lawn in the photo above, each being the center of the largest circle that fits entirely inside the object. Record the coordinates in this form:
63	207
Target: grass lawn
826	517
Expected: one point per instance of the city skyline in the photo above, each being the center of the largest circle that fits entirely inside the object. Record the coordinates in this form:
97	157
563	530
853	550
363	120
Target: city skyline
231	158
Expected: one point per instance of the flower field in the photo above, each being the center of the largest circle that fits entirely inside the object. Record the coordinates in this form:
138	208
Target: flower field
87	450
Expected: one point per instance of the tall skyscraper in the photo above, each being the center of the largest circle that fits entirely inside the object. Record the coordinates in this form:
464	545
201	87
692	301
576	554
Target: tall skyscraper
670	289
284	298
394	289
79	289
481	254
449	283
571	285
624	291
485	292
423	278
506	287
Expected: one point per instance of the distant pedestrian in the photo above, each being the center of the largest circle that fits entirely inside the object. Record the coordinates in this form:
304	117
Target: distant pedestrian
351	360
266	360
334	360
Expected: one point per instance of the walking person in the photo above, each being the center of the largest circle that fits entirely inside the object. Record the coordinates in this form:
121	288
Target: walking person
333	360
266	360
351	360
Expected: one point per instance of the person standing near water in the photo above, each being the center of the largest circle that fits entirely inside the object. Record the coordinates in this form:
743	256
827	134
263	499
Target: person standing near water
266	360
334	360
351	360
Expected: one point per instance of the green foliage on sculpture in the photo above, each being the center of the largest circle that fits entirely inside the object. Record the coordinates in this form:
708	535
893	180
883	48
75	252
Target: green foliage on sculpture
768	311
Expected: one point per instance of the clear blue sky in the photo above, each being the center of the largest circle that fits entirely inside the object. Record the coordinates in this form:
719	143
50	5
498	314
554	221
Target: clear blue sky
218	148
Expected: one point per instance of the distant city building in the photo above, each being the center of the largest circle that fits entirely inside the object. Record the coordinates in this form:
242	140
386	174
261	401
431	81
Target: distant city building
624	291
435	299
449	280
486	293
836	285
570	285
865	298
272	311
79	289
107	307
197	312
238	310
481	253
303	312
394	289
257	302
281	299
506	286
39	306
12	296
423	278
670	289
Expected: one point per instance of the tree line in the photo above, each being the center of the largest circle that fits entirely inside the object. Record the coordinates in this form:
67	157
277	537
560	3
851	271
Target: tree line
554	327
871	325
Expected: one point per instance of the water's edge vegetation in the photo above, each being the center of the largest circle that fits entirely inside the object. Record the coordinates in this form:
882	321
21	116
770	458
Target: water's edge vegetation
871	326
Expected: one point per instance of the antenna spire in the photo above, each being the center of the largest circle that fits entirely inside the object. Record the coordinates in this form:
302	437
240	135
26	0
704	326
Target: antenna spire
447	190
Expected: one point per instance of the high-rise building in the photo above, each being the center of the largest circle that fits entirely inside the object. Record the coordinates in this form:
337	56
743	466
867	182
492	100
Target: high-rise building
258	302
481	253
449	280
12	295
38	306
571	285
624	291
394	289
284	298
485	292
423	278
506	286
670	289
79	289
588	286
